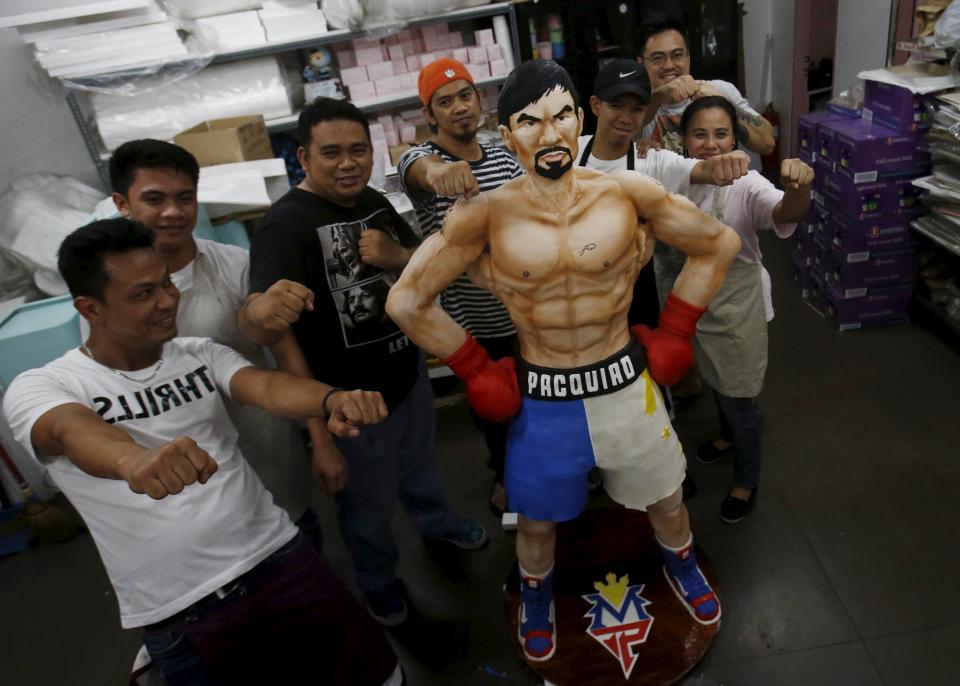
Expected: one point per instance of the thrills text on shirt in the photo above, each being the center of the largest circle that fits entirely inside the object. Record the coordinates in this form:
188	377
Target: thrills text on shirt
156	400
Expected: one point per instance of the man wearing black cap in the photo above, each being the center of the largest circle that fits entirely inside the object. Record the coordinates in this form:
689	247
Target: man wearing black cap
621	93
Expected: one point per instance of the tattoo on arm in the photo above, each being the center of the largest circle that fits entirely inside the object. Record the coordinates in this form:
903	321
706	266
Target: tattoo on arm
750	118
745	120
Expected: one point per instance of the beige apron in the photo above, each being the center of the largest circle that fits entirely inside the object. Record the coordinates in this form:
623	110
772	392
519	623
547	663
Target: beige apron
731	342
272	445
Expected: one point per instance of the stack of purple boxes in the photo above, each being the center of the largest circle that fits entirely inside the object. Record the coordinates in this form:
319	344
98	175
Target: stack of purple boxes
856	257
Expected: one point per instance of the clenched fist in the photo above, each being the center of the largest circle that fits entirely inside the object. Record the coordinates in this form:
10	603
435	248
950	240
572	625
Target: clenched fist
379	249
727	168
280	306
452	179
348	410
795	173
678	90
168	470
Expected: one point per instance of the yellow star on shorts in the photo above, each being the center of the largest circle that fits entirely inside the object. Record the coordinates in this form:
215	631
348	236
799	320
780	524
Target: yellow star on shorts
665	434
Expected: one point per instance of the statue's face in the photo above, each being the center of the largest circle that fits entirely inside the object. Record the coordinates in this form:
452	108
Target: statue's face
544	134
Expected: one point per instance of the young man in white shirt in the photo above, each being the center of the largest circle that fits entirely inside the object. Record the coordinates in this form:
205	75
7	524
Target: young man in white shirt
155	183
133	428
620	100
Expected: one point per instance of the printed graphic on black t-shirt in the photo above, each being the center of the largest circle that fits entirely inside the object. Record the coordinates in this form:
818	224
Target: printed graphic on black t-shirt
346	339
358	289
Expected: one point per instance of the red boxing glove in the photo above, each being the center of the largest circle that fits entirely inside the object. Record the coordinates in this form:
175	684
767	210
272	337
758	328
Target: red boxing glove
669	353
492	388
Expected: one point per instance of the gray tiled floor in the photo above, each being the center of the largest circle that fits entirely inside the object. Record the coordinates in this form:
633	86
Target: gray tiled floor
844	574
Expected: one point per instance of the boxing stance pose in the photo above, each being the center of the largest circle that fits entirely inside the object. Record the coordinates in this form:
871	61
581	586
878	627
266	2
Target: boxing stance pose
562	247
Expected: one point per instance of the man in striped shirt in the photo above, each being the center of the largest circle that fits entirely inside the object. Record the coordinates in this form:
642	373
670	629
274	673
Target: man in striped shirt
451	164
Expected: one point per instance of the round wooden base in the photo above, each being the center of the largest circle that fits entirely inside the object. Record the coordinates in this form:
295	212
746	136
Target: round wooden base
612	629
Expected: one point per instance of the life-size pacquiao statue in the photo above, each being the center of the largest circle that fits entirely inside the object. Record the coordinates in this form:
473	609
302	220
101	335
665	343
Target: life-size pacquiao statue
562	247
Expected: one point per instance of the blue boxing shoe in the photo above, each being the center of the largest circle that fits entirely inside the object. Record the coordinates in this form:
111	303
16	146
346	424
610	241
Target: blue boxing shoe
688	583
538	630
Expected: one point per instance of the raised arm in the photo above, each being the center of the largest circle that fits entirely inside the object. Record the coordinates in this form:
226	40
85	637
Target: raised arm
106	451
437	177
266	317
709	245
436	264
491	386
753	130
796	177
288	395
721	170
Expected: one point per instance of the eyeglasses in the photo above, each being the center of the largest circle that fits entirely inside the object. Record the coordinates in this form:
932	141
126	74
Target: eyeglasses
658	59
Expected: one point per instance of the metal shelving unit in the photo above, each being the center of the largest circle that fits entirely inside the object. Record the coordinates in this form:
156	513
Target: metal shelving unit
100	156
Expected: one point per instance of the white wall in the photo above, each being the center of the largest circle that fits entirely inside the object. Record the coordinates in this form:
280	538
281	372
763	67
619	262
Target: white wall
763	18
757	24
37	131
862	32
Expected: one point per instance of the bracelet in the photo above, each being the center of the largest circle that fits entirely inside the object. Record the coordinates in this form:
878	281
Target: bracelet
326	410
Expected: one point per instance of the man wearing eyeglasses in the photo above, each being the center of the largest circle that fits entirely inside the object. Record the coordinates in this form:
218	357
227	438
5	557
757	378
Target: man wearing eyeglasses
665	54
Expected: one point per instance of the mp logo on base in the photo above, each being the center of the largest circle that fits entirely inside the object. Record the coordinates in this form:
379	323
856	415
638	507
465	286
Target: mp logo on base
619	618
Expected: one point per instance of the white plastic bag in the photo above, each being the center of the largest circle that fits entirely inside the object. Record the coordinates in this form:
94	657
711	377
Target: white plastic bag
36	213
947	31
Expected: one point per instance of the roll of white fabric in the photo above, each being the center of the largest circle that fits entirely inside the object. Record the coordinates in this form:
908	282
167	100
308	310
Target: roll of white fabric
256	86
502	33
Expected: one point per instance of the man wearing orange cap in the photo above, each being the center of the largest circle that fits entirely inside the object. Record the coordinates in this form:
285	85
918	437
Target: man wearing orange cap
454	163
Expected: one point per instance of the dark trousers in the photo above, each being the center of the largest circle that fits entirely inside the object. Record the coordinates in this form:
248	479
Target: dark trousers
286	618
740	423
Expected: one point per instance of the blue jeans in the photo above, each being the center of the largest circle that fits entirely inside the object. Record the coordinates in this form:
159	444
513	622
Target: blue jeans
740	422
391	461
287	617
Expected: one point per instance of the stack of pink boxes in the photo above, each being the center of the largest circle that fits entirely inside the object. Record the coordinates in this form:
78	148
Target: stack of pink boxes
856	255
372	69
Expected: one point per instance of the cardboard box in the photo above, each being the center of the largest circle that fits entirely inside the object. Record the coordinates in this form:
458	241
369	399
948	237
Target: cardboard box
221	141
895	107
865	152
881	235
855	274
801	276
396	152
477	55
807	127
880	307
870	201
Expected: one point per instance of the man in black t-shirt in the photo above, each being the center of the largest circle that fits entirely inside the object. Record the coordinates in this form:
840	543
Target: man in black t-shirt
323	261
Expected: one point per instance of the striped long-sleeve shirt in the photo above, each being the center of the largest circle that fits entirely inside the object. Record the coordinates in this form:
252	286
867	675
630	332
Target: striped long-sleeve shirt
473	308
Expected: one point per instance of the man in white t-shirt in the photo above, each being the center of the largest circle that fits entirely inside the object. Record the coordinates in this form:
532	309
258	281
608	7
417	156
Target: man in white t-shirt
133	428
155	183
620	100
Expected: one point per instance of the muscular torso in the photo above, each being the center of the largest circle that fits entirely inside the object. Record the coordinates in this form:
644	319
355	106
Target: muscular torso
566	279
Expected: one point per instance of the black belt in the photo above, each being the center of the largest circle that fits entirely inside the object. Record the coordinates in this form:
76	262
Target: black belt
600	378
